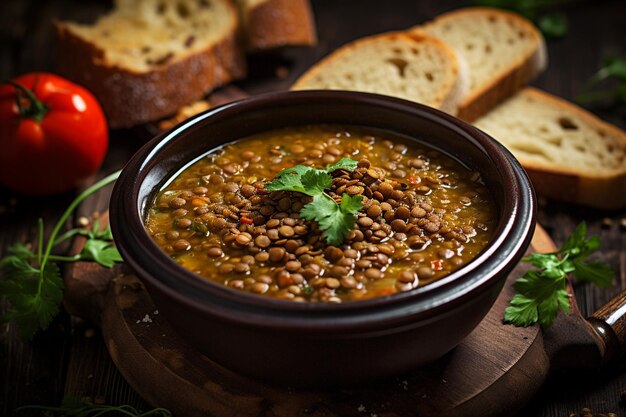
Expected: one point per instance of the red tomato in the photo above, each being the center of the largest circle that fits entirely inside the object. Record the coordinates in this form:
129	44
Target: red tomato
53	134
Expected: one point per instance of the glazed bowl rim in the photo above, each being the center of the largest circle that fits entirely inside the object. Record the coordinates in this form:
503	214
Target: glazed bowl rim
513	231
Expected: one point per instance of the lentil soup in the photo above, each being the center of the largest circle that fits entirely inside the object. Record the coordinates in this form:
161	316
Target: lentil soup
424	215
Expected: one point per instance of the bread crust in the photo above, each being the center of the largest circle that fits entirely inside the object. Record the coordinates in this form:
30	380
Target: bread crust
276	23
129	98
446	99
599	189
525	68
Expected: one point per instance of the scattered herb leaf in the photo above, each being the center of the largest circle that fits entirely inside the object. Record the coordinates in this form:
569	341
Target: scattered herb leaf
552	25
32	281
78	408
614	69
542	293
334	219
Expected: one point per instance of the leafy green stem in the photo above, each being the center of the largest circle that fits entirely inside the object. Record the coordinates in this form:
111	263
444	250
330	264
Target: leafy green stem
70	209
541	293
32	282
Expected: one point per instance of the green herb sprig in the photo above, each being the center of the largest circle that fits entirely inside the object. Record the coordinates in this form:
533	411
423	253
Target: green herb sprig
552	24
78	408
614	68
334	219
32	282
541	292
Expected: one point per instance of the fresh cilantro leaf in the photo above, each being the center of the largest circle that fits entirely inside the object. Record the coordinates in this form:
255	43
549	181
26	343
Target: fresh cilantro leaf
522	311
20	250
542	293
102	252
32	283
334	219
316	181
289	179
594	271
34	296
576	239
322	206
346	164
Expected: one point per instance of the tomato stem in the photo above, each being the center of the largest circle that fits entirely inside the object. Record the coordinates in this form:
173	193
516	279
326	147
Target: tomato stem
36	110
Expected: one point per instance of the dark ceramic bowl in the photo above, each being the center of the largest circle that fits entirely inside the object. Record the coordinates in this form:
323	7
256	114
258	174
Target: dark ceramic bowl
320	343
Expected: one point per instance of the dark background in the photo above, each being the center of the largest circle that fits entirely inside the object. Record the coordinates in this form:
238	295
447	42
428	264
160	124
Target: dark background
70	358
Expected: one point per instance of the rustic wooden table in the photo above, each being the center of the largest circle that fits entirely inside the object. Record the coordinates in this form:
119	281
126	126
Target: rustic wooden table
70	359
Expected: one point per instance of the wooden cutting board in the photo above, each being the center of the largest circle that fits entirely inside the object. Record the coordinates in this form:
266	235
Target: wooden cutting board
493	372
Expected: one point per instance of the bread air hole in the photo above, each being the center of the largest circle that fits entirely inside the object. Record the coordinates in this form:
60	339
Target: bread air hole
161	7
567	123
429	76
203	4
182	10
400	64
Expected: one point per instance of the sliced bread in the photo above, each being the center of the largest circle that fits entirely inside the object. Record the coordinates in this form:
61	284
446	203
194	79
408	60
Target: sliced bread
503	52
570	154
270	24
415	67
147	58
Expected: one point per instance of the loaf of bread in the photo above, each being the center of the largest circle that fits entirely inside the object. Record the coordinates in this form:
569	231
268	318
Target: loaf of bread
569	154
415	67
270	24
503	52
147	58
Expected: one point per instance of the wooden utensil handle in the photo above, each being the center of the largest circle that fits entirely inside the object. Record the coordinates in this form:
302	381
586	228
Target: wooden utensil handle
609	322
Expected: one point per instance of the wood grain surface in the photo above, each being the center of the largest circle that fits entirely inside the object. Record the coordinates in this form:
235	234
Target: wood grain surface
70	359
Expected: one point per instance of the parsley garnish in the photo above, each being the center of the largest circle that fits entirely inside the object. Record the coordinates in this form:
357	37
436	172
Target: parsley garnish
541	293
33	284
334	219
614	69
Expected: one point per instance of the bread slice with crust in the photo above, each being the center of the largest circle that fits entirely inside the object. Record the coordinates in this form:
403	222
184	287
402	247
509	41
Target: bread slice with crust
270	24
415	67
147	58
503	52
570	154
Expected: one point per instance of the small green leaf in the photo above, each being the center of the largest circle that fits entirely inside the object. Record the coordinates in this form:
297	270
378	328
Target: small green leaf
522	311
289	179
199	228
594	271
549	307
315	182
553	25
102	252
20	250
346	164
541	293
33	306
616	66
